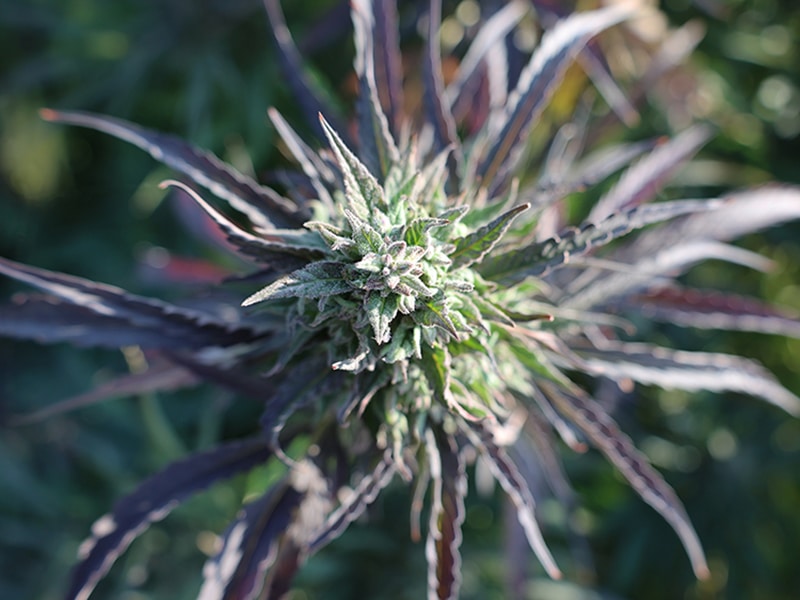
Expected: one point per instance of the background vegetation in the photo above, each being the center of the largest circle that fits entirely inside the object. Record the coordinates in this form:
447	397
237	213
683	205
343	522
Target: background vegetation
78	202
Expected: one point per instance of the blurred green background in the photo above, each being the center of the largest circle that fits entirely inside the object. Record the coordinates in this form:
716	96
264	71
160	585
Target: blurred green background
80	202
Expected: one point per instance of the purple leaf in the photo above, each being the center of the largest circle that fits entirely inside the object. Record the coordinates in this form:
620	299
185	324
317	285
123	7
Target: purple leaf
540	258
674	247
49	320
270	246
644	180
105	305
564	178
447	515
538	82
711	309
691	371
437	110
314	167
293	68
507	474
376	145
478	65
606	436
155	499
264	207
250	546
388	62
355	503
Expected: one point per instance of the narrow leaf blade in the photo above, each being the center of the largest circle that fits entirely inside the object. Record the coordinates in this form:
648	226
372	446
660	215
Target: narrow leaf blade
449	484
692	371
540	258
604	433
321	278
538	82
152	501
263	206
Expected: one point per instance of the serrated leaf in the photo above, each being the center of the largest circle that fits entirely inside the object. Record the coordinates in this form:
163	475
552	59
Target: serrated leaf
674	247
263	206
293	67
711	309
449	485
321	278
541	257
152	501
606	436
417	232
295	243
355	503
366	237
49	320
538	82
437	109
364	195
509	478
335	238
473	247
250	547
603	288
644	180
692	371
376	145
435	314
109	314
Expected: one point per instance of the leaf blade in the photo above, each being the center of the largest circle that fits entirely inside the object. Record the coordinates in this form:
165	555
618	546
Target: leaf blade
152	501
263	206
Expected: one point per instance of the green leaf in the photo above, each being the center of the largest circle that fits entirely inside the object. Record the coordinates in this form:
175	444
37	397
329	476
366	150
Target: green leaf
334	237
381	311
364	193
436	314
323	278
540	258
473	247
416	233
365	236
436	366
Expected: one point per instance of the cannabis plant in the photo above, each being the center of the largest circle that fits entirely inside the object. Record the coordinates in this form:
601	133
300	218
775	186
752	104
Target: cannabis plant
416	300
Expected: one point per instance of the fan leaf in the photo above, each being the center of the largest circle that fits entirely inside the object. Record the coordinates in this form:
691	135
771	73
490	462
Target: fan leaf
449	485
540	258
606	436
152	501
539	80
263	206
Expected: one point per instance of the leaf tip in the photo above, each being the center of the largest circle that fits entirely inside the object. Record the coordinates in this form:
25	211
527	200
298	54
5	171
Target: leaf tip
48	114
169	183
702	572
250	300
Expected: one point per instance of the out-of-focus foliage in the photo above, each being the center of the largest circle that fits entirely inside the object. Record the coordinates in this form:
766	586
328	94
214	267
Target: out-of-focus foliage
204	70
